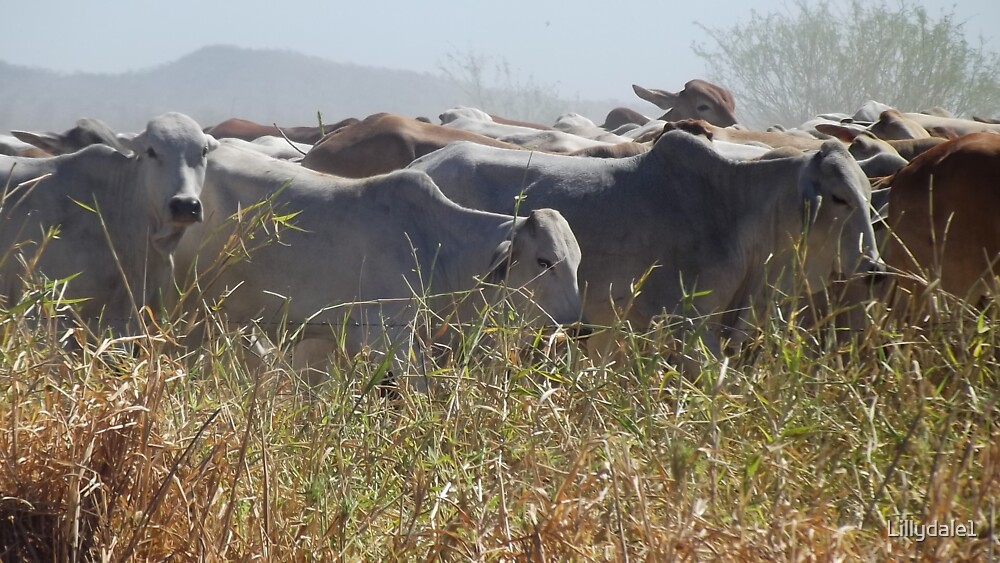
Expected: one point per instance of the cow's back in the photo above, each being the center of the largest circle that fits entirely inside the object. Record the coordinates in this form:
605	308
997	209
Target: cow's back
627	214
349	239
502	176
942	210
383	143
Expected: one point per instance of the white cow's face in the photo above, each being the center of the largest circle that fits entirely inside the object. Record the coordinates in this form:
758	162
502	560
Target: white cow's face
543	260
172	154
840	235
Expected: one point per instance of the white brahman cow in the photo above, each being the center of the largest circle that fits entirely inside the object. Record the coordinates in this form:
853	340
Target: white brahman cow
360	251
716	232
145	202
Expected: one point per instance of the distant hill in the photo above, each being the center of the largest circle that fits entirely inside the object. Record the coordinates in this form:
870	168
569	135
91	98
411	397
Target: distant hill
215	83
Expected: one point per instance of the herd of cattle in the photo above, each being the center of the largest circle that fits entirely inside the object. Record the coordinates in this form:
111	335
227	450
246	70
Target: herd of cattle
574	224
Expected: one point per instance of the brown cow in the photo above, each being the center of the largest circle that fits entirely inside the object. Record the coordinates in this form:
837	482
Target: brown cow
773	139
382	143
698	100
943	210
248	130
623	116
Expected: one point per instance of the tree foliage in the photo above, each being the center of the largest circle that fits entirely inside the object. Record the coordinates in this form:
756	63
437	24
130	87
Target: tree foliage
811	58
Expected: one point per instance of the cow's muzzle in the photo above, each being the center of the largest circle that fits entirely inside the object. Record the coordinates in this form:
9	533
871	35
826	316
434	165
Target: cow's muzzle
185	210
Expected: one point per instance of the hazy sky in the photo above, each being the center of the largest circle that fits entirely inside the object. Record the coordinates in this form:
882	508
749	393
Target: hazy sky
594	49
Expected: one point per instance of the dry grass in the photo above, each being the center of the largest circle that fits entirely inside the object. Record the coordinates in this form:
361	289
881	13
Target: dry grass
134	450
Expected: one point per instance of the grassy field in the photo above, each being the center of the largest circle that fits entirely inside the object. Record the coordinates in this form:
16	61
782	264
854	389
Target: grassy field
803	449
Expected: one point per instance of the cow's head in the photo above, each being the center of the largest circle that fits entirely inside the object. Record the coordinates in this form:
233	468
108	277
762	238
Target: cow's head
88	131
837	198
171	155
698	100
541	262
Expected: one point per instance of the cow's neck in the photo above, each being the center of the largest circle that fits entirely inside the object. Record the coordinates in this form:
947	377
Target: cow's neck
469	254
152	267
125	210
776	186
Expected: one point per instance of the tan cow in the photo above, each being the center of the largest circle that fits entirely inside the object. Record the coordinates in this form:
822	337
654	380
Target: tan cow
384	142
892	125
772	139
623	116
698	100
247	130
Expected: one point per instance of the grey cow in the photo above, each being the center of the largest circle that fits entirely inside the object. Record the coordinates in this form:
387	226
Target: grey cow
715	227
87	131
146	201
359	250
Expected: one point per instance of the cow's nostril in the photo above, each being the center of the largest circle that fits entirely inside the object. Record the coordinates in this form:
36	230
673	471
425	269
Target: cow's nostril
185	209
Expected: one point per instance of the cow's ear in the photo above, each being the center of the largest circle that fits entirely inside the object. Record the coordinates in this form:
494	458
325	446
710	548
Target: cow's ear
845	134
211	143
136	144
661	98
500	264
125	141
48	142
532	223
831	147
810	180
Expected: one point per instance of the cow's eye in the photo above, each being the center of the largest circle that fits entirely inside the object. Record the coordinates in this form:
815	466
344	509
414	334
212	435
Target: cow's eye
838	200
151	152
204	151
704	107
544	264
